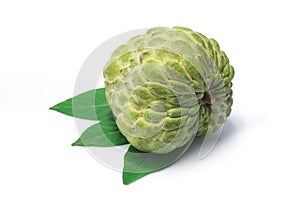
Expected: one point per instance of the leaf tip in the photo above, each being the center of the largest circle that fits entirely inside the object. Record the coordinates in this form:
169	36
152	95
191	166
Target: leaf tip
126	180
129	177
55	108
77	143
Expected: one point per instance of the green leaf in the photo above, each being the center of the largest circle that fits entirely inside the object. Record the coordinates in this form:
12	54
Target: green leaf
138	164
90	105
102	134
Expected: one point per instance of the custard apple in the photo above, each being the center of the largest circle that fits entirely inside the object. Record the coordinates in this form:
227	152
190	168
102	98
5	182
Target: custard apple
167	86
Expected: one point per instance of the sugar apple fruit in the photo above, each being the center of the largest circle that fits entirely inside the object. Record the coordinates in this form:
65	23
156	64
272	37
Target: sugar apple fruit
167	86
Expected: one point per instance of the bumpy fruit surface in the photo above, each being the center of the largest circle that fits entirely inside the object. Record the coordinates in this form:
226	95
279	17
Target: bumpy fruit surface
167	86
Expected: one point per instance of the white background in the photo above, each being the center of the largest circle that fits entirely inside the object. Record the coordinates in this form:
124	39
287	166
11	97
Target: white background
42	48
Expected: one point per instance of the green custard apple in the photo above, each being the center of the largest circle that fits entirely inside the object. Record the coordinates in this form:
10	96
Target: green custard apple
167	86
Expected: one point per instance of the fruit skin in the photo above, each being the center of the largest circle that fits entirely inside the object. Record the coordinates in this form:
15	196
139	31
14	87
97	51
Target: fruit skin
167	86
